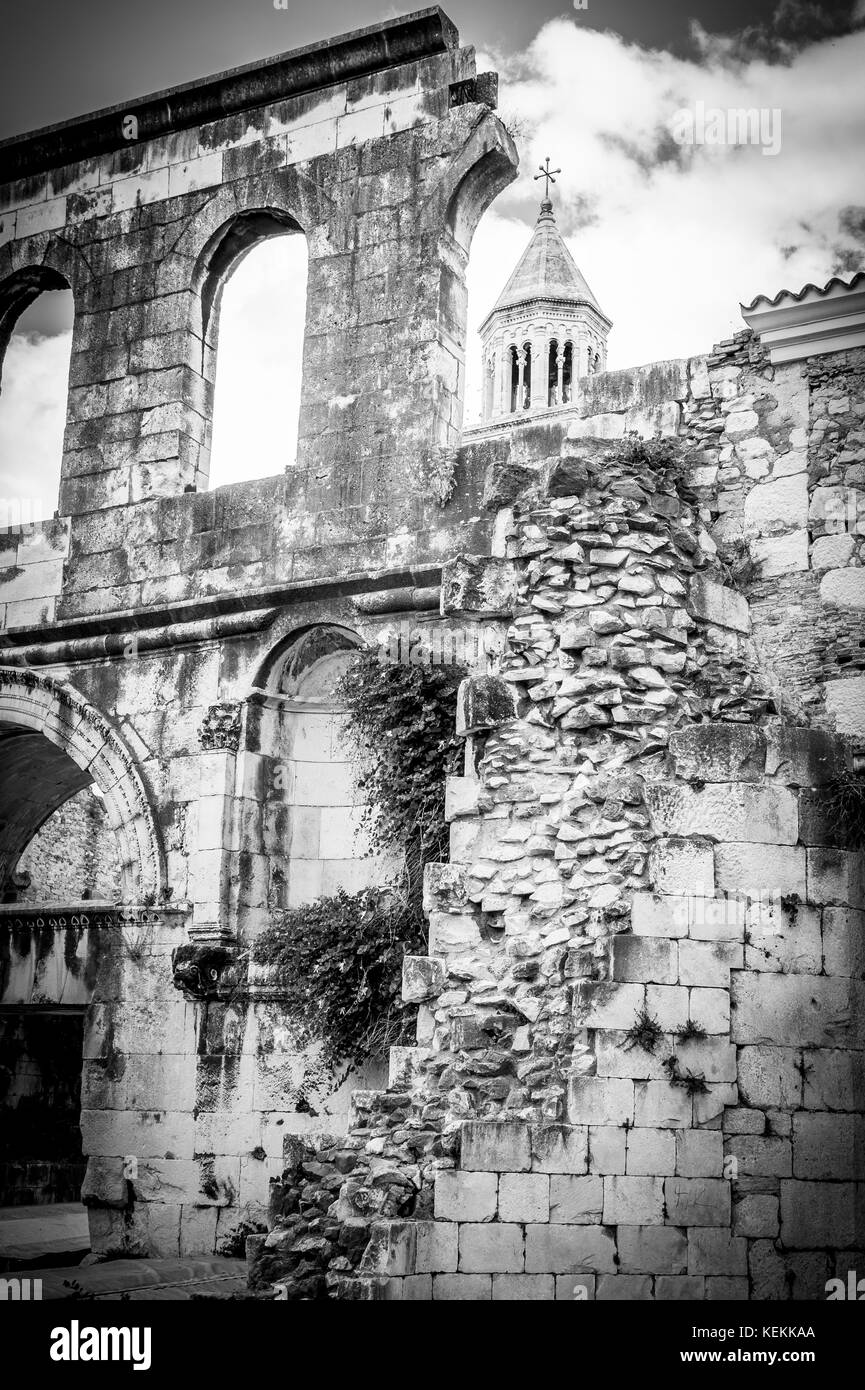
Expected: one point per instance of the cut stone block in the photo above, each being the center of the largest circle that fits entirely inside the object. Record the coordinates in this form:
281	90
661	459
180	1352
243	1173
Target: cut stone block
463	1196
598	1100
633	1201
726	811
697	1201
652	1250
478	586
553	1249
560	1149
524	1197
717	604
495	1146
491	1249
483	702
576	1200
640	961
718	753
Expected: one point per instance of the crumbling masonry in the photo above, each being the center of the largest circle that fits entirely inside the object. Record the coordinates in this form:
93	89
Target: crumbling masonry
639	1071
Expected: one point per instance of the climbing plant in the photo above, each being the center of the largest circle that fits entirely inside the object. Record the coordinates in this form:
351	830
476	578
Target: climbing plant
338	961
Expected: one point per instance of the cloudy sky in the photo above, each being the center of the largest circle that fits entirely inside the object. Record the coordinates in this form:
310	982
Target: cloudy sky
670	236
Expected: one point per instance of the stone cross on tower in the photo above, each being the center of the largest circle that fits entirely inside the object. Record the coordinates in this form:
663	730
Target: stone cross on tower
548	174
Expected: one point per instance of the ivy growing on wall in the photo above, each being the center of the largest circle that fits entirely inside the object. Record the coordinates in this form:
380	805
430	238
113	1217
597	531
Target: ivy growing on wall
338	961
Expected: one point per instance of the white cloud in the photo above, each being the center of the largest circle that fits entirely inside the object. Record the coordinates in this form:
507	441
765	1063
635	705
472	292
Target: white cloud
32	419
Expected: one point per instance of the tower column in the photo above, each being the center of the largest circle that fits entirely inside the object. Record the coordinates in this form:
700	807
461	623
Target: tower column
540	370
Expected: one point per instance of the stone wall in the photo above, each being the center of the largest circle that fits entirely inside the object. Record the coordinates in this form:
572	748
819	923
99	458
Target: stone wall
641	1014
72	856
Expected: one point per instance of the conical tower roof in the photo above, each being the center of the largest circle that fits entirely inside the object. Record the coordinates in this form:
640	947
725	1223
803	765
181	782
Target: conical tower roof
546	271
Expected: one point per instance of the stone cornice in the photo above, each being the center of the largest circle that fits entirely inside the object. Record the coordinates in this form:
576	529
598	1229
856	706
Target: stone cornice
356	54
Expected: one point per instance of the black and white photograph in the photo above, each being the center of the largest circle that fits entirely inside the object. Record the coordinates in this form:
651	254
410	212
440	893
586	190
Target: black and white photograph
432	677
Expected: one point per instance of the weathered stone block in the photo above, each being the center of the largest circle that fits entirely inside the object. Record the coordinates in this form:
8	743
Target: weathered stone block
607	1005
495	1146
726	811
637	960
713	1251
478	586
708	963
652	1250
755	1215
524	1197
697	1201
491	1249
633	1201
625	1288
651	1152
769	1077
391	1250
760	871
699	1153
828	1146
836	876
422	978
520	1288
717	604
598	1100
462	1288
575	1200
554	1249
655	915
658	1105
820	1214
718	752
483	702
804	1010
682	866
559	1149
463	1196
437	1247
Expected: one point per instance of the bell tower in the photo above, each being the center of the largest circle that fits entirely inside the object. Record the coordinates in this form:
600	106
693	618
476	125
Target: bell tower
546	329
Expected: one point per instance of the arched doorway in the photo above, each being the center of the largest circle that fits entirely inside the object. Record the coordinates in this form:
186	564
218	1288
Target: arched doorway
62	769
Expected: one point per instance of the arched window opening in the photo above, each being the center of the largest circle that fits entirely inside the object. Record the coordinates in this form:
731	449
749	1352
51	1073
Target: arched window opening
324	847
36	315
256	293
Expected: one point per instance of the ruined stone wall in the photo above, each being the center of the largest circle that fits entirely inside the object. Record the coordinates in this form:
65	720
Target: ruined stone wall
145	626
640	1024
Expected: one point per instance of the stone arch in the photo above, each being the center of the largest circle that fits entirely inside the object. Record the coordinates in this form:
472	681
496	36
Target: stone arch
18	291
224	251
295	654
215	250
77	746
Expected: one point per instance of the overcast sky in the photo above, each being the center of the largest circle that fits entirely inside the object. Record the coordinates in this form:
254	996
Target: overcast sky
671	237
